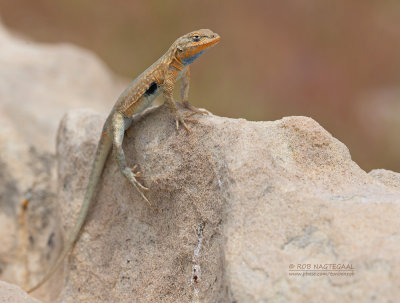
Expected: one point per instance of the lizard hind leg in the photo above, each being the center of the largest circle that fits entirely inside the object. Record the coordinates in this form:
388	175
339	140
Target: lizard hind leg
118	130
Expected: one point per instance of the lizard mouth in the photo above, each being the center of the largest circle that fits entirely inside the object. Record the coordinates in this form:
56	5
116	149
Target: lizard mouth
214	41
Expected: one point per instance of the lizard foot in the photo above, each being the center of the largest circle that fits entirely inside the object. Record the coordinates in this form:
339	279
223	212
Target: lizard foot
140	188
137	174
182	120
193	109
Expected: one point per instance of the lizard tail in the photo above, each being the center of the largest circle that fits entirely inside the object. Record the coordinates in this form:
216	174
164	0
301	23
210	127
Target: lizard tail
102	151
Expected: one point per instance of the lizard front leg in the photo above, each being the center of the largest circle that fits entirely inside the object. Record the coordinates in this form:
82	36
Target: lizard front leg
185	95
118	130
169	84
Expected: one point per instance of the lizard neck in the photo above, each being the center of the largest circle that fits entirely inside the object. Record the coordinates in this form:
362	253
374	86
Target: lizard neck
173	60
176	63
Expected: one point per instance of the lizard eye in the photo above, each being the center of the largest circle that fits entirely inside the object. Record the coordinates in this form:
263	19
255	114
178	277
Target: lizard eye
196	38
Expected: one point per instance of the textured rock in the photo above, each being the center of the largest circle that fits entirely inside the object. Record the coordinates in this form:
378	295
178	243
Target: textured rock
38	84
27	178
390	178
10	293
239	203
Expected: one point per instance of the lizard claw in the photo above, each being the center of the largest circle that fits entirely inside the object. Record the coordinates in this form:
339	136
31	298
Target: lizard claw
193	109
181	120
189	115
128	172
141	186
131	175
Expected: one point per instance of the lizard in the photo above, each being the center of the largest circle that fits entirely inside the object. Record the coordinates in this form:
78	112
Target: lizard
159	78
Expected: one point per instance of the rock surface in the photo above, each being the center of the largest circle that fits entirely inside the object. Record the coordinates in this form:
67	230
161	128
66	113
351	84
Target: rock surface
240	204
27	206
10	293
38	84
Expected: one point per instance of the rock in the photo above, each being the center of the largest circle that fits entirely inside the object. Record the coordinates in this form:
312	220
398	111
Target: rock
240	204
388	177
38	84
28	217
10	293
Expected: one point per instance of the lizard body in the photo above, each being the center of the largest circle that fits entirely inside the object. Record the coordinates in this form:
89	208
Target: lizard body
159	78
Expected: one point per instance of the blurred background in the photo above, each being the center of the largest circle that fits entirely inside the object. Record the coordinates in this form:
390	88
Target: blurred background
335	61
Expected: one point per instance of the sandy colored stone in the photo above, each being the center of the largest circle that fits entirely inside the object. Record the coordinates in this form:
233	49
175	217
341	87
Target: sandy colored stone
387	177
239	203
27	234
38	84
10	293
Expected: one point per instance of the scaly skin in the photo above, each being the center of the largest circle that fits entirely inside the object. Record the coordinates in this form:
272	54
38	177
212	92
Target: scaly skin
159	78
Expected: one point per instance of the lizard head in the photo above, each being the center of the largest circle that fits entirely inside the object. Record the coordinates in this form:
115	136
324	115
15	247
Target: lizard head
190	46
